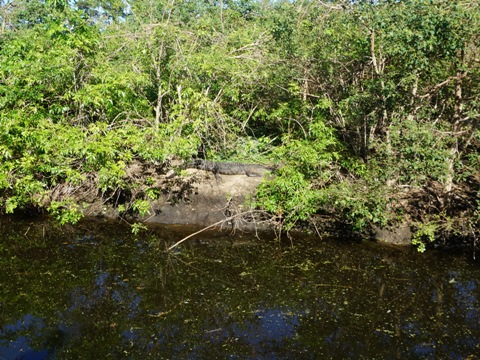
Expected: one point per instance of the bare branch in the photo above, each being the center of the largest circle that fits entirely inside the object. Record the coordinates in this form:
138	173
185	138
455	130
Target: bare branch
214	225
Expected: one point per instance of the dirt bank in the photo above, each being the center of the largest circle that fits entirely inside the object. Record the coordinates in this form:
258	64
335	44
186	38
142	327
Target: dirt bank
202	198
212	198
190	197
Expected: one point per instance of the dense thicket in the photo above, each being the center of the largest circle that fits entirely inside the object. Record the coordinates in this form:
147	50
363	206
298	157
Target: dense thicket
370	107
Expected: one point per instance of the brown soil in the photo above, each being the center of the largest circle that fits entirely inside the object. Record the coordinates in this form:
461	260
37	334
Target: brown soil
190	196
197	197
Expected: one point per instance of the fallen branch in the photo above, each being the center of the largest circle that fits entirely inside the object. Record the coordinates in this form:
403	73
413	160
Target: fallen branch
213	225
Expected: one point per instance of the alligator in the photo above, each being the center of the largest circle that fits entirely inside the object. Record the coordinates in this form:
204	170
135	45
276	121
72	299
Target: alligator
230	168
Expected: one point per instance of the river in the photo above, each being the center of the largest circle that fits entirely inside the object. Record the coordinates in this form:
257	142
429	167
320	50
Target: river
96	291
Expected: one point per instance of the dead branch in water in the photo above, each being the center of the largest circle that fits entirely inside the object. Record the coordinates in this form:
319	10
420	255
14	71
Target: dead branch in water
214	225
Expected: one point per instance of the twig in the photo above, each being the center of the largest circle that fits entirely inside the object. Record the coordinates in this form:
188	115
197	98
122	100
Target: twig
211	226
316	229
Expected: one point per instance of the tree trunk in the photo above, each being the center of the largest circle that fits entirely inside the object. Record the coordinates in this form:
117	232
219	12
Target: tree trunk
456	127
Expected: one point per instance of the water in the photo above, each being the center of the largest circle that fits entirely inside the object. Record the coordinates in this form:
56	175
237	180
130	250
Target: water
95	291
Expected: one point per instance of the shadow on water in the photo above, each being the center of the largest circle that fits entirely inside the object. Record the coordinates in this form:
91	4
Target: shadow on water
97	291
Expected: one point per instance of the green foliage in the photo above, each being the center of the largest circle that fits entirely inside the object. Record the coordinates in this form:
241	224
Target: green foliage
137	228
247	149
289	196
142	207
425	233
361	204
416	152
308	164
111	176
344	99
313	155
66	211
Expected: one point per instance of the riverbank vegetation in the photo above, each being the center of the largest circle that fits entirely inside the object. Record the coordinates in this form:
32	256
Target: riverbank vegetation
371	108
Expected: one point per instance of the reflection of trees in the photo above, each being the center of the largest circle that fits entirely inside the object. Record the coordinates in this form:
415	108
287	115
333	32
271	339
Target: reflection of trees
112	296
403	318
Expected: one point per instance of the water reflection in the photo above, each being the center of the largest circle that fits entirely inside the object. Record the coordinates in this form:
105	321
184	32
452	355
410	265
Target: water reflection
14	345
96	291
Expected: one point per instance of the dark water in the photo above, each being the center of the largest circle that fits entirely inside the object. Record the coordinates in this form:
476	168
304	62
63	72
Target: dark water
95	291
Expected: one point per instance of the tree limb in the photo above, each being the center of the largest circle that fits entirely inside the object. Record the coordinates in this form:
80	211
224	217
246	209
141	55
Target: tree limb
212	226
